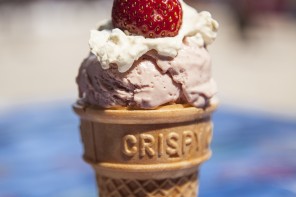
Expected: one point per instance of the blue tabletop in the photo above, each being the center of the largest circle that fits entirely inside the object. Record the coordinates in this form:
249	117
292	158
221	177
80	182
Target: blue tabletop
254	155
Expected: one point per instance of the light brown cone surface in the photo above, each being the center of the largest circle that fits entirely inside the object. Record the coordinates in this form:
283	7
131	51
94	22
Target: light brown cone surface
146	153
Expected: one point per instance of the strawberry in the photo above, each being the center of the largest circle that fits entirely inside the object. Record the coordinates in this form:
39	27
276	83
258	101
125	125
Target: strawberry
149	18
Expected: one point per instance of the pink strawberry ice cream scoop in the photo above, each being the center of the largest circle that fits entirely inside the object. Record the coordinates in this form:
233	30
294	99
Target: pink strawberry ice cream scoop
127	70
151	82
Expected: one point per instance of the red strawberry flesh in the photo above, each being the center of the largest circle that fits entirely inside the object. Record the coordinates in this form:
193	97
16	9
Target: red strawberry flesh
149	18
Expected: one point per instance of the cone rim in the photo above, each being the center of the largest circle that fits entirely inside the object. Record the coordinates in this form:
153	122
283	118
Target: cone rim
175	113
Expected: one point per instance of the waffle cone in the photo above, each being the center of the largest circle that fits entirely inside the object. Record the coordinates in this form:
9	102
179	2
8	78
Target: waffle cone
146	153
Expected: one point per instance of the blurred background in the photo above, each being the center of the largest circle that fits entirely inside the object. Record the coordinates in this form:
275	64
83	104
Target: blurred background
42	44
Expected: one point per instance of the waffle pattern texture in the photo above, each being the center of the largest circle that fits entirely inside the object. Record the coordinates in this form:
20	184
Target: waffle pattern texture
185	186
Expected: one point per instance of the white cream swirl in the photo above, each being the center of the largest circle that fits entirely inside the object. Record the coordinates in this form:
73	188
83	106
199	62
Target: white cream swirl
113	46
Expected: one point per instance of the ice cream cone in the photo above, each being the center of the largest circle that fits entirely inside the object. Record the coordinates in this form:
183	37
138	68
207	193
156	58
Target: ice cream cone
146	153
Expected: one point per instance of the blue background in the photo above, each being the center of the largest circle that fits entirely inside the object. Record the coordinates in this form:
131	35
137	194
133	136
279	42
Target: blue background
254	155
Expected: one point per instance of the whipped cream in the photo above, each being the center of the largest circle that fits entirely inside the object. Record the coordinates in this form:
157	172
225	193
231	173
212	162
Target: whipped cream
114	46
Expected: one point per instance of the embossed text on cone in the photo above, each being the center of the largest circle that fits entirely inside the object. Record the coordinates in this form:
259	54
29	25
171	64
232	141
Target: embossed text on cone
146	153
